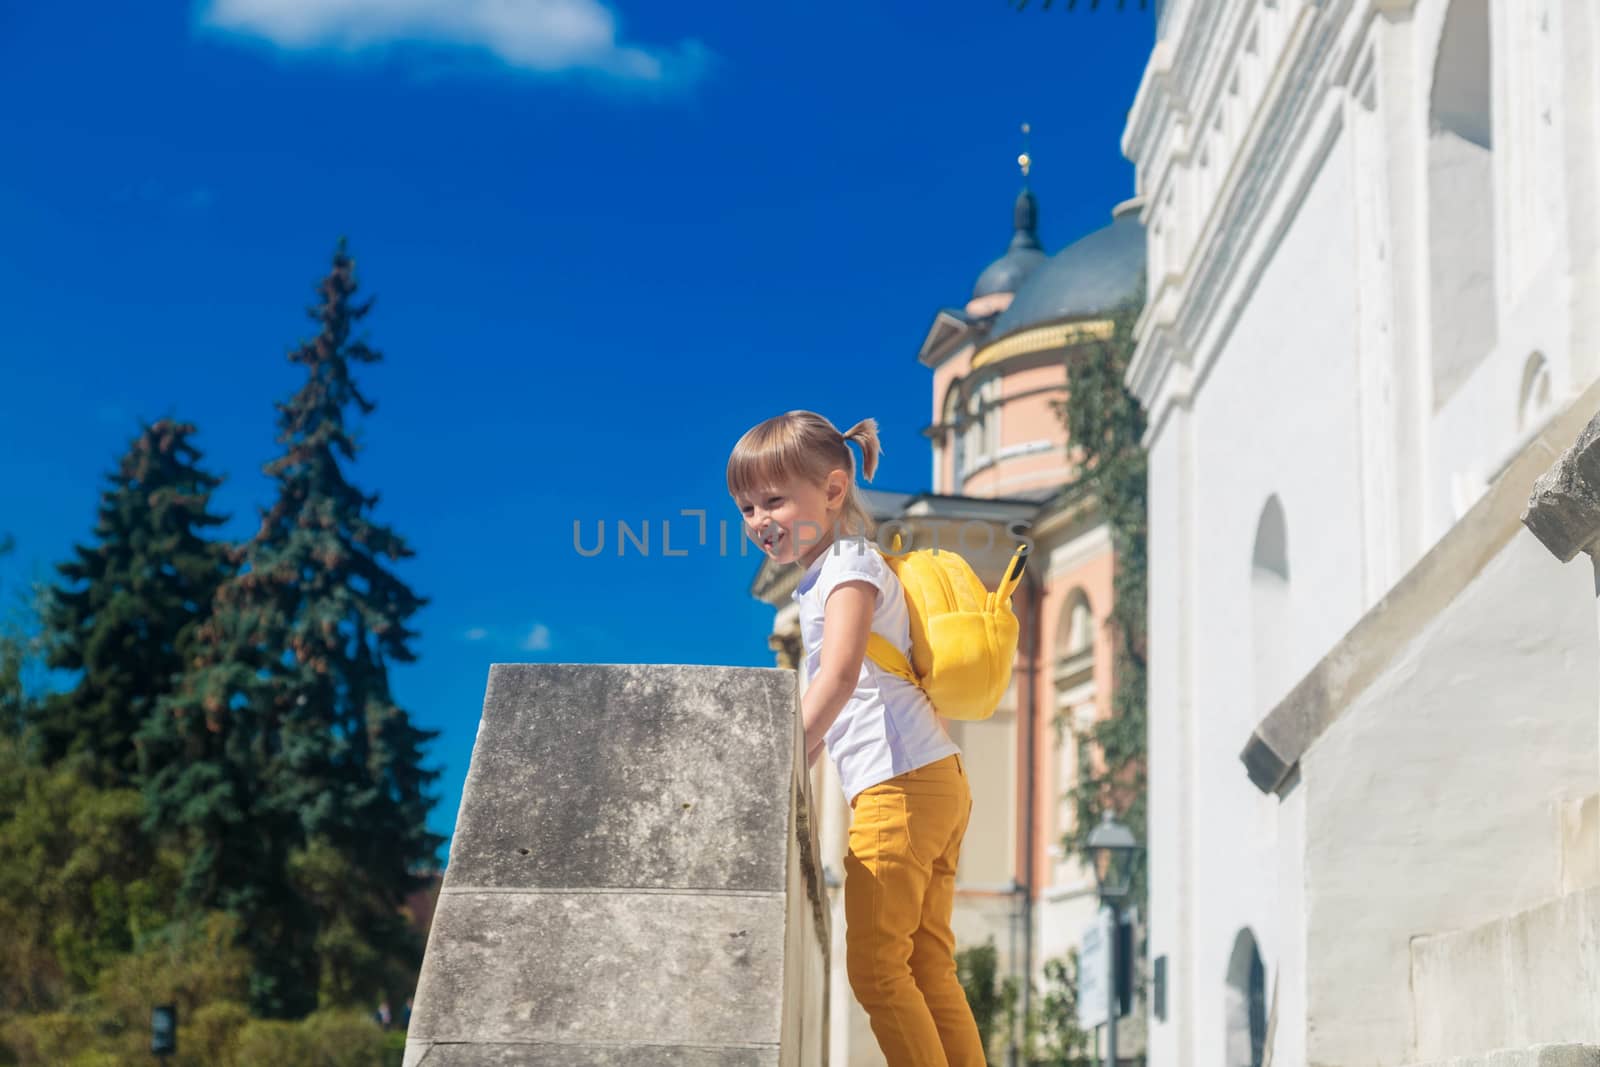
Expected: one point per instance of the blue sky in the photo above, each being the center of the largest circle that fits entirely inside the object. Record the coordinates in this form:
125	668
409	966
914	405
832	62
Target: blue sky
604	238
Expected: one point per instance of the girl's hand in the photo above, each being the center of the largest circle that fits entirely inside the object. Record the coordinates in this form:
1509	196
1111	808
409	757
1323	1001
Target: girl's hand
846	622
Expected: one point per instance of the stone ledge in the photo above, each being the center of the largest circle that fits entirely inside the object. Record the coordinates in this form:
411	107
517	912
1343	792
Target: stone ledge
1533	1056
633	879
441	1054
633	763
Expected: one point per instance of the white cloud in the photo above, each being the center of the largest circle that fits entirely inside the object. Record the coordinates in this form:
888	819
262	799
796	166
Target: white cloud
538	639
548	36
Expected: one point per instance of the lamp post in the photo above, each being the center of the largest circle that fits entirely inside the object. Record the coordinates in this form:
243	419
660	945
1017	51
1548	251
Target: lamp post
1113	849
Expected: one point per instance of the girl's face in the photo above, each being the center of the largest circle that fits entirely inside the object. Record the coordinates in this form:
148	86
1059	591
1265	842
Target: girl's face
793	523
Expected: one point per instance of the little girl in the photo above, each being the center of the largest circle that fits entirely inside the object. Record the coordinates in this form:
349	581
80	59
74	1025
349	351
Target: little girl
793	477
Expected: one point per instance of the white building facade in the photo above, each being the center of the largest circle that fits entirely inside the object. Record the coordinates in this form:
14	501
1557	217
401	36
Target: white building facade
1373	319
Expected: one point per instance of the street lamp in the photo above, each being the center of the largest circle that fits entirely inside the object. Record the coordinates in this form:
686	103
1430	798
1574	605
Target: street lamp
1113	850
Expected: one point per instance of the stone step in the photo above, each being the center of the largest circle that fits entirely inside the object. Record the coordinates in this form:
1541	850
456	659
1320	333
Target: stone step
1521	983
1533	1056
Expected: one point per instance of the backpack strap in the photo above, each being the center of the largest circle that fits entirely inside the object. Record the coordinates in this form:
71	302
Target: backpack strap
1013	578
891	659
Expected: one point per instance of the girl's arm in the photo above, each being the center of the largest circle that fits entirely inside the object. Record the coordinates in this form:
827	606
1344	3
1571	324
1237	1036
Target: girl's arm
846	621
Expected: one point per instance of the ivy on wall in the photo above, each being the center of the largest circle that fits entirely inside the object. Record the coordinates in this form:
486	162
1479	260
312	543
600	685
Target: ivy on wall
1106	427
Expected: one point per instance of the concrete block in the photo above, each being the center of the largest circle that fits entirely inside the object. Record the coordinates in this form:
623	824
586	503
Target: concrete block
1529	979
633	878
627	776
1534	1056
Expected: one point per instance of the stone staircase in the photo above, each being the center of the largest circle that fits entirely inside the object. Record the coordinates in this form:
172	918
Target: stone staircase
1522	990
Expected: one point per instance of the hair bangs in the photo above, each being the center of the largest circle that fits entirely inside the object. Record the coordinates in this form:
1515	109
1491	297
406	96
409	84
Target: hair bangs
770	454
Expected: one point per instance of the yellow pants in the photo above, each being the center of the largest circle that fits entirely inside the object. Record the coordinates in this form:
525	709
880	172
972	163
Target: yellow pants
899	888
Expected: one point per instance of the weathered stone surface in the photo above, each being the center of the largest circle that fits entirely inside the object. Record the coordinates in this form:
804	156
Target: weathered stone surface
633	879
1533	1056
1564	510
1513	983
592	776
536	1055
593	956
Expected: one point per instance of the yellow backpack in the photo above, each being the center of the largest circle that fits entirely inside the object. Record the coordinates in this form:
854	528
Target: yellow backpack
963	637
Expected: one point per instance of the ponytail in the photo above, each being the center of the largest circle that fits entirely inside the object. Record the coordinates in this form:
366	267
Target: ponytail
865	434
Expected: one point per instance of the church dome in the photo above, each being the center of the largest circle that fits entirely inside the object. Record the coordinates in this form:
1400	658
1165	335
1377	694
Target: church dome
1088	278
1010	271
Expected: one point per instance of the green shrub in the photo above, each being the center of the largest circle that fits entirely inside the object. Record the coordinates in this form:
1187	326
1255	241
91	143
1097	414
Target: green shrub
211	1035
46	1040
96	1059
978	969
322	1039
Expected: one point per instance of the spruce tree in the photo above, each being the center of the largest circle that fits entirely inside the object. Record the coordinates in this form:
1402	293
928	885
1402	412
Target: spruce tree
289	728
19	642
130	603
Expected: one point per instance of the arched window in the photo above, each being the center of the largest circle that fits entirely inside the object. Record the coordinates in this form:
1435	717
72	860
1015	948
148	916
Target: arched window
1075	706
1533	399
1461	235
1245	1004
1074	640
981	438
948	442
1080	630
1269	606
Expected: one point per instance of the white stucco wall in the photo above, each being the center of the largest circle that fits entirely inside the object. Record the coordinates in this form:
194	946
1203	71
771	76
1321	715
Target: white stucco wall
1286	974
1170	741
1431	803
1306	369
1477	431
1288	376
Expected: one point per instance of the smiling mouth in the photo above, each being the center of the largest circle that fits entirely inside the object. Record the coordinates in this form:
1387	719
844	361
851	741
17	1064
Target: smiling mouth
771	541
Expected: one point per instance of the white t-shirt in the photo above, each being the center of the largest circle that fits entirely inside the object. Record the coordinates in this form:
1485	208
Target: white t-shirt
887	727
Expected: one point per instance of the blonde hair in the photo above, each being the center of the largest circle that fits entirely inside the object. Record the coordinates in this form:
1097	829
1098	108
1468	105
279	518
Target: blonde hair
803	445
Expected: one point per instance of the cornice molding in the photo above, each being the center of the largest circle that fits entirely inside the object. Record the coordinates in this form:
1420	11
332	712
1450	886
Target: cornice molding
1043	339
1282	128
1271	161
1152	103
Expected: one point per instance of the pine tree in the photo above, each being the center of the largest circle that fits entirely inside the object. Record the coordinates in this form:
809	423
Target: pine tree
288	724
130	603
13	659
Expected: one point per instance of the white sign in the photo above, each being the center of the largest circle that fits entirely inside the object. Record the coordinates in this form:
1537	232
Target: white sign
1094	967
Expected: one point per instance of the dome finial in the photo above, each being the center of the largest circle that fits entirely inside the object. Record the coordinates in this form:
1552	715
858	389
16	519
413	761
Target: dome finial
1024	160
